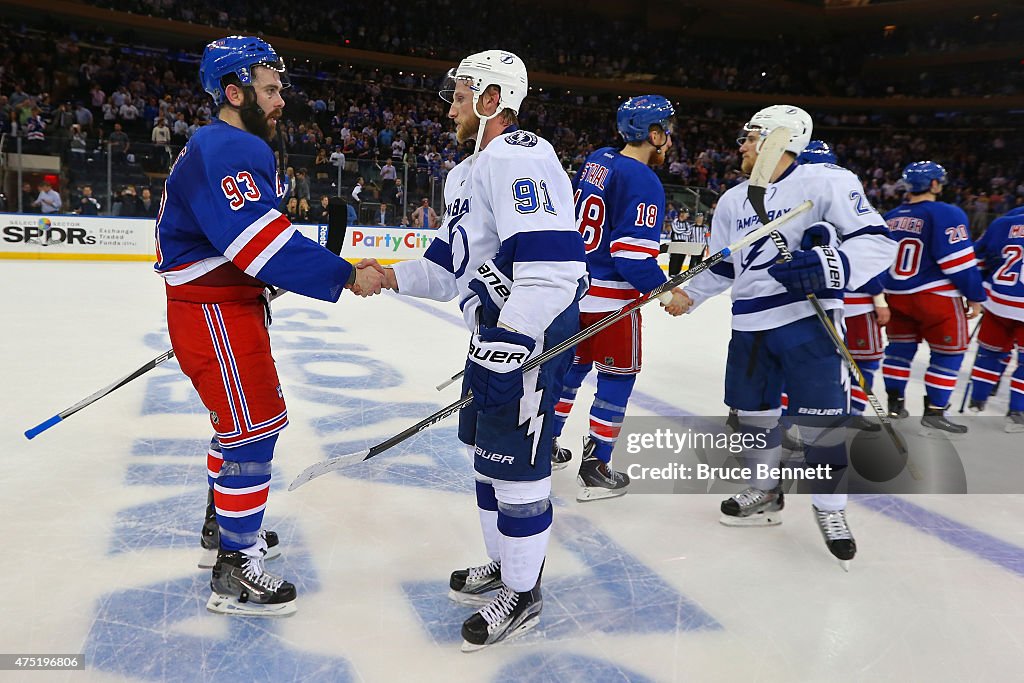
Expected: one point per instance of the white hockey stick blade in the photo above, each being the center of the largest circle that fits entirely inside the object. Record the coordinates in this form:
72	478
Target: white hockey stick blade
321	468
772	149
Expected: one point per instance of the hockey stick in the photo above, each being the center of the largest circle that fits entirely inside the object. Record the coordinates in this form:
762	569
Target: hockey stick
772	149
970	379
337	462
324	237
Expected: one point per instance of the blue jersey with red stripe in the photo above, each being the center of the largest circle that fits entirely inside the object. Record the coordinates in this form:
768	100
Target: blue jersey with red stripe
619	208
1001	250
935	252
219	212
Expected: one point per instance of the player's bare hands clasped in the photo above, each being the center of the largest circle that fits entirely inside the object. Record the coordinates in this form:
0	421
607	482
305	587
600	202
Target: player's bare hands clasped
679	304
370	278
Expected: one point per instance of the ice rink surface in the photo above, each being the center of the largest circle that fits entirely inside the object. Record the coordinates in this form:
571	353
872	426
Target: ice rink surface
102	516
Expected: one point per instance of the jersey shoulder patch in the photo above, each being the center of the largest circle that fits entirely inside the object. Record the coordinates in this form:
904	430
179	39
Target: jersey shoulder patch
523	138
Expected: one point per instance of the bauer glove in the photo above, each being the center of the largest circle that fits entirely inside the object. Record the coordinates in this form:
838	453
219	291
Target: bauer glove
813	270
495	367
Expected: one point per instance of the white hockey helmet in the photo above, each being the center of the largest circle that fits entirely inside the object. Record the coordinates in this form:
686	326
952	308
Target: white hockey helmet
794	118
491	67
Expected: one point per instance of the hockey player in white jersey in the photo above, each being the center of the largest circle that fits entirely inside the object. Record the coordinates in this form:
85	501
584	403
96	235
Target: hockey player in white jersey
777	340
509	251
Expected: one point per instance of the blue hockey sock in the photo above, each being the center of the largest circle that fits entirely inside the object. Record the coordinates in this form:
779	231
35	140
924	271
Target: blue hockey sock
570	385
608	411
1017	384
896	366
858	398
240	492
940	378
988	368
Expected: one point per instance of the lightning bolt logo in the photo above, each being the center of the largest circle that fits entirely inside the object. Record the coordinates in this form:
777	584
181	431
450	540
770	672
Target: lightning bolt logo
529	411
752	254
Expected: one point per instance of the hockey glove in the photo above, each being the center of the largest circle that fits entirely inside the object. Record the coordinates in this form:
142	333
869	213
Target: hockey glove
495	370
813	270
820	234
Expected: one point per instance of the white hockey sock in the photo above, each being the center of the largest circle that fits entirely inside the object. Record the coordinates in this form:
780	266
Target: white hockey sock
492	539
521	559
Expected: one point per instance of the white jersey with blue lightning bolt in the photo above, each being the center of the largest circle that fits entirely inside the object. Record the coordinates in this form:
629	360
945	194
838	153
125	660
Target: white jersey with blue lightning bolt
511	203
759	302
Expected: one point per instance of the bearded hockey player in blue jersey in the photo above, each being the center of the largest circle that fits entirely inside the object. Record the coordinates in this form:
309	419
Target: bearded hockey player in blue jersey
219	242
620	204
509	251
777	339
935	271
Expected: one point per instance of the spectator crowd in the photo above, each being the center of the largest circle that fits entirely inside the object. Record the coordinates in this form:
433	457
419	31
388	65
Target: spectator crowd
381	138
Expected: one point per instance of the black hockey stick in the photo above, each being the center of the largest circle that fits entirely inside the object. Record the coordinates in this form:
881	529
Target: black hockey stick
326	238
970	379
772	149
339	461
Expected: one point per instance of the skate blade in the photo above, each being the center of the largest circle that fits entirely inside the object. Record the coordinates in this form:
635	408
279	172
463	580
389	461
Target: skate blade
224	604
941	434
209	557
592	493
1013	428
759	519
555	466
471	599
527	625
845	564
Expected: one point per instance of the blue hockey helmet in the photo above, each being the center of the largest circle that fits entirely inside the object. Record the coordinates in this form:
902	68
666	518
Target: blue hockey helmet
637	114
919	175
237	55
817	152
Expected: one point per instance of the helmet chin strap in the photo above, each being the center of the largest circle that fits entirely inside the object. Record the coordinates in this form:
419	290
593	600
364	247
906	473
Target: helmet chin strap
483	120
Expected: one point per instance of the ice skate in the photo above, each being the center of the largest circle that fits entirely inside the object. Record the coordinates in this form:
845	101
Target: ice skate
241	587
473	586
897	407
935	424
508	615
597	479
837	535
210	539
754	507
863	424
977	407
1014	421
560	457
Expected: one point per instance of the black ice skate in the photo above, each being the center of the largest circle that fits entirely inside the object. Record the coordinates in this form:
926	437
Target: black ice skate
1014	421
976	406
596	478
897	409
837	535
863	424
210	539
560	457
508	615
936	425
472	586
241	587
754	507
